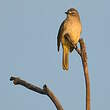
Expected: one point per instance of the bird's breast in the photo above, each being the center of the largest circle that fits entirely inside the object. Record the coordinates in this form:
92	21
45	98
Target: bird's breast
73	28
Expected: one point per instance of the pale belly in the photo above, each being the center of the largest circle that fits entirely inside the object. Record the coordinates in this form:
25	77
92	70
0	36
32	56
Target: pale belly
74	31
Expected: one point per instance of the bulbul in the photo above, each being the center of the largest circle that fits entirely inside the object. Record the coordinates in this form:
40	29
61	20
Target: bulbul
69	33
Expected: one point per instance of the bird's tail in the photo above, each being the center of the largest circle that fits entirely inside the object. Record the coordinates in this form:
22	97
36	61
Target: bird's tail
65	58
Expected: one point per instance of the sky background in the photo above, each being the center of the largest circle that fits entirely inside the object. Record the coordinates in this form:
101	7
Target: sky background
28	38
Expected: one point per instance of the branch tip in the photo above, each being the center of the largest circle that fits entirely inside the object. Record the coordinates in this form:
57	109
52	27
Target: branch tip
44	86
12	78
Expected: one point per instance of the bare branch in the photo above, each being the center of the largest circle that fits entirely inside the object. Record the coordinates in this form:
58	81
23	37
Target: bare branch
48	92
44	91
86	73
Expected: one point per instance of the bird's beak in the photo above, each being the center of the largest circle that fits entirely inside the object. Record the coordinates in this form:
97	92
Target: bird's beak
66	12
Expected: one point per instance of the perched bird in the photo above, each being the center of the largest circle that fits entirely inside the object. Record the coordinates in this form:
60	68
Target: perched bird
68	34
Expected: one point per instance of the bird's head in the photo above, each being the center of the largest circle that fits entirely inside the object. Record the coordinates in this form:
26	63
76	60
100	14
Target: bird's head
72	12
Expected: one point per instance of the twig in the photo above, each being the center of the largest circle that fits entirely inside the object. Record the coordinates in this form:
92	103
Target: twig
44	91
78	50
86	73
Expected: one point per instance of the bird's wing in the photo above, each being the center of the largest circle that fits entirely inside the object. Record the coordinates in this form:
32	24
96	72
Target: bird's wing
61	29
70	42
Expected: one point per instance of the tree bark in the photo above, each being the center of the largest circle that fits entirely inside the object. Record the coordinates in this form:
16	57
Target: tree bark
44	91
86	73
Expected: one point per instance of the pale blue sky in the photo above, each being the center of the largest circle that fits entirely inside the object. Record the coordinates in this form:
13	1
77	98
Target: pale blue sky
28	33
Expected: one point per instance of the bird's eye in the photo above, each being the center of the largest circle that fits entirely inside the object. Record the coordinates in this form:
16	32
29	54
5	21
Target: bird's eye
72	14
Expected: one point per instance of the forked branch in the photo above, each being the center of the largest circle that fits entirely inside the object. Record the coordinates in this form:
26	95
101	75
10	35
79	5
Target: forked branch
48	92
44	91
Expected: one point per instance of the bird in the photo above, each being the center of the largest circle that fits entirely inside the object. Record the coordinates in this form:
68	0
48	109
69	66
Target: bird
69	34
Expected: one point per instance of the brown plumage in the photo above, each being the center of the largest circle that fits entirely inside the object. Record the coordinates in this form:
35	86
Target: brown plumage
70	28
